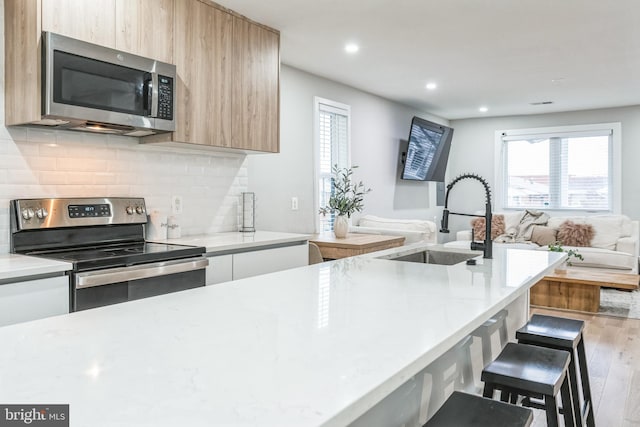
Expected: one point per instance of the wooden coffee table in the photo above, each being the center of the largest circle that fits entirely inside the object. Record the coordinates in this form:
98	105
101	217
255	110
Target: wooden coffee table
578	290
354	244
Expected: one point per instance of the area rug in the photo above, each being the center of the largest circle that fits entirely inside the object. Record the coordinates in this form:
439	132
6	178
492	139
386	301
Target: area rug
620	303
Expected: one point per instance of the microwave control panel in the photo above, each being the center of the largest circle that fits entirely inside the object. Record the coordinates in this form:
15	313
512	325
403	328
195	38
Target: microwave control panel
165	98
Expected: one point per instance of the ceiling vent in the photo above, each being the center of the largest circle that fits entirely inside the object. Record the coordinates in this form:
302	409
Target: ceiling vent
541	103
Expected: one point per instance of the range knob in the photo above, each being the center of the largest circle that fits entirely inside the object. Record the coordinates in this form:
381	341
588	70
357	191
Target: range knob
129	210
42	213
139	210
27	213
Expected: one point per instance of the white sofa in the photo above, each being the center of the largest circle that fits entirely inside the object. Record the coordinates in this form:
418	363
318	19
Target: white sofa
413	230
614	246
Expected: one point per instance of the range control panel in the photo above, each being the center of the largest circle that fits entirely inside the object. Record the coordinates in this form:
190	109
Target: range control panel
54	213
84	211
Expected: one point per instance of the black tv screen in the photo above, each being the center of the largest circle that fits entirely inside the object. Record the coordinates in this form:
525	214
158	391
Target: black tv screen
428	151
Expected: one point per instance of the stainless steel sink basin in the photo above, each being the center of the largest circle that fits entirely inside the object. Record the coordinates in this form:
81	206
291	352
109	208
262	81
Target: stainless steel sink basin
436	257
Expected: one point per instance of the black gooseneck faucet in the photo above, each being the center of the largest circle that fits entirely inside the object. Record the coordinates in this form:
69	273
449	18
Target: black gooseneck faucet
486	246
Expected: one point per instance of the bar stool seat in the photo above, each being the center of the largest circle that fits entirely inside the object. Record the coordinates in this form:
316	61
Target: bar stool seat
531	371
467	410
564	334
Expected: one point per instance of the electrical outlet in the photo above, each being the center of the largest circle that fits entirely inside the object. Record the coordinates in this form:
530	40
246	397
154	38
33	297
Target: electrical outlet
294	203
176	204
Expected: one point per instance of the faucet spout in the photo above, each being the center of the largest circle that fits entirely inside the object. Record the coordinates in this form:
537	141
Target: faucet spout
487	246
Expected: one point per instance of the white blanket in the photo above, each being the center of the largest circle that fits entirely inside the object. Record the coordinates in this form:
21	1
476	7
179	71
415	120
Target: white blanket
522	232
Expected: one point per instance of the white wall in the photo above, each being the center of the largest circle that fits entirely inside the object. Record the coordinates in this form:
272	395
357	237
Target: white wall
377	127
43	163
474	147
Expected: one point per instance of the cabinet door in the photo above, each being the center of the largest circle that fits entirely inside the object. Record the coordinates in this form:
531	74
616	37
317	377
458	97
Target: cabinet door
202	55
90	20
220	269
33	299
145	28
256	71
22	62
248	264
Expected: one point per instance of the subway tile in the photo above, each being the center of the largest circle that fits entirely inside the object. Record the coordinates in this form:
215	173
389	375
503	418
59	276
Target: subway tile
41	135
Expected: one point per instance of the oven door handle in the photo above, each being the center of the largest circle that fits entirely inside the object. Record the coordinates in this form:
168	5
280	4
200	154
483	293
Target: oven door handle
123	274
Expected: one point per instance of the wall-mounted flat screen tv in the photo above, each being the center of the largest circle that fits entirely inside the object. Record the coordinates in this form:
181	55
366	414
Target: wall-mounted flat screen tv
428	151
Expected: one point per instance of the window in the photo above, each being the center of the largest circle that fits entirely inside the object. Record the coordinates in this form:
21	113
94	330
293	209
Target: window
568	168
332	147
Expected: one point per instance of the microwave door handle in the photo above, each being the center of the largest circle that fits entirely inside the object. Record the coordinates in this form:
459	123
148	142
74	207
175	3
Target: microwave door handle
155	99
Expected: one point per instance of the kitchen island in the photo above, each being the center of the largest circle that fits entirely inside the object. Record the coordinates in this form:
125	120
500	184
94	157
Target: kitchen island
311	346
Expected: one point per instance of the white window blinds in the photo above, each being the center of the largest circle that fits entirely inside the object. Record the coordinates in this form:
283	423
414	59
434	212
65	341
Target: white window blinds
333	137
558	170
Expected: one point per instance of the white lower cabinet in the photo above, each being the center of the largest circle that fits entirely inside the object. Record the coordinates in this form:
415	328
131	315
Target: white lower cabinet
33	299
223	268
248	264
220	269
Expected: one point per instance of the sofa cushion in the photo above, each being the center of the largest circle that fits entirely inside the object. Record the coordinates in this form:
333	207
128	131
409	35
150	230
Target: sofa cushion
572	234
543	235
601	258
398	224
607	229
497	227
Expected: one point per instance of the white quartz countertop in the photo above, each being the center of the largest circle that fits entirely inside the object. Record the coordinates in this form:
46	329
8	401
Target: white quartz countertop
310	346
13	266
233	241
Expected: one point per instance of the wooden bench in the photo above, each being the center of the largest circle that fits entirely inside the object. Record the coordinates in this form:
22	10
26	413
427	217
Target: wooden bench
578	290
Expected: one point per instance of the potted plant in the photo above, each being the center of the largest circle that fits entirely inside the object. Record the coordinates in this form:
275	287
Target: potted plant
557	247
346	198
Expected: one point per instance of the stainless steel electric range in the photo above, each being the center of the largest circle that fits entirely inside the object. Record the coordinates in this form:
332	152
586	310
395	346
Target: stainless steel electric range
104	240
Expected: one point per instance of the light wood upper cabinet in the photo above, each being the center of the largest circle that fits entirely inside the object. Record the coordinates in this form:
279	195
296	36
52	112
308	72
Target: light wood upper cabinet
256	69
93	21
22	62
145	28
202	58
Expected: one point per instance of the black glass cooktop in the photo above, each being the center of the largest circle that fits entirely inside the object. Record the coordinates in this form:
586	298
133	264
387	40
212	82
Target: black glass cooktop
120	255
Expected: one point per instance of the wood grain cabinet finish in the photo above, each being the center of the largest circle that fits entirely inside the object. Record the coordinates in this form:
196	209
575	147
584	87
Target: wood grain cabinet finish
93	21
22	61
202	57
256	65
146	28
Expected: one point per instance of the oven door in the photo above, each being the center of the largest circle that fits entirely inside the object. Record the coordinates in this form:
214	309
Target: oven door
114	285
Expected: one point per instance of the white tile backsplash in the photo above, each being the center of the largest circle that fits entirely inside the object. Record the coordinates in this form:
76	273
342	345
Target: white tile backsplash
44	163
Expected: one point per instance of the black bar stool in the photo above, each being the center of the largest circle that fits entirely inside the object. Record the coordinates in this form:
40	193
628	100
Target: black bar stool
564	334
467	410
531	371
487	329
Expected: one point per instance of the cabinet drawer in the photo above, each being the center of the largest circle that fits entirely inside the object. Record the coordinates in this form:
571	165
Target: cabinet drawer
33	299
220	269
248	264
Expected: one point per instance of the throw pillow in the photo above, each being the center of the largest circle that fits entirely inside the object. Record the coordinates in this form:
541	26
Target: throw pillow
497	227
543	235
572	234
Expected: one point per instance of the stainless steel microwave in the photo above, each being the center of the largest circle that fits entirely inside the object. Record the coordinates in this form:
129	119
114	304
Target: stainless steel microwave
94	88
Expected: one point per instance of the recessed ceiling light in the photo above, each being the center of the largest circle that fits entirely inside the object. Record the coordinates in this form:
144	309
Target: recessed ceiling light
483	109
351	48
431	86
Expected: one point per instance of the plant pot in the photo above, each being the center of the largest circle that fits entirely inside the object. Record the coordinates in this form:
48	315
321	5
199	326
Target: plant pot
340	226
561	269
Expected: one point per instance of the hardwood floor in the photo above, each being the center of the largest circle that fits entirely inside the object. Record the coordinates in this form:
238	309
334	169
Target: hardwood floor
612	345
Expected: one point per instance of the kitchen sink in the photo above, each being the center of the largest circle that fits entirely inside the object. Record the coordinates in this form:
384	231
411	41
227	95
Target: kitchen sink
436	257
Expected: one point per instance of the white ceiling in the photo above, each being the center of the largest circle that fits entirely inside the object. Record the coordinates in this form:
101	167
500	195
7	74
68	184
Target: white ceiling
504	54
